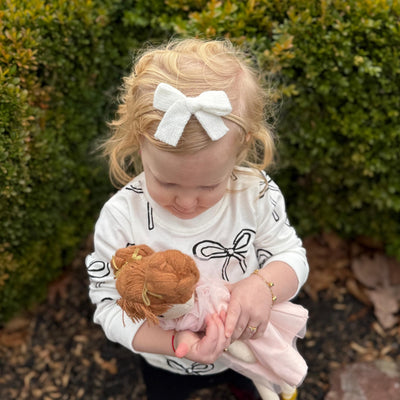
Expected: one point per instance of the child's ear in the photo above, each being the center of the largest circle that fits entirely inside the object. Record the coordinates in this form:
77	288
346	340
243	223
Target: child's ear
247	137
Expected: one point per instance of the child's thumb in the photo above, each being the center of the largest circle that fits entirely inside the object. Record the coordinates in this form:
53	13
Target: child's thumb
182	350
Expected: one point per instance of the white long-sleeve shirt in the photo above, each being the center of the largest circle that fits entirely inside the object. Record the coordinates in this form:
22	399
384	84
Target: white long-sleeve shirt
247	229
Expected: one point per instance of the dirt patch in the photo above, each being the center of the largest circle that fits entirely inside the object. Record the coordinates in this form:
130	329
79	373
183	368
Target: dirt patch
56	352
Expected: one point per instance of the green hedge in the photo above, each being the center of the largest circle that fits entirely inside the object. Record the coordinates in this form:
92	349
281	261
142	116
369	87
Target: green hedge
336	67
60	64
334	64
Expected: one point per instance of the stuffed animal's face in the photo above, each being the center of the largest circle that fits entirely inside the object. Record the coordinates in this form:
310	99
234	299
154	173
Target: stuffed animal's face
178	310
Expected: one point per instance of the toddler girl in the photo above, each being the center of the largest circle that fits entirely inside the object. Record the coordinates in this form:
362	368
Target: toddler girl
192	115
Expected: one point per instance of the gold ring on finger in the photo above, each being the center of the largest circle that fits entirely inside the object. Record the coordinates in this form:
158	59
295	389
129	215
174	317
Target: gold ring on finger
252	329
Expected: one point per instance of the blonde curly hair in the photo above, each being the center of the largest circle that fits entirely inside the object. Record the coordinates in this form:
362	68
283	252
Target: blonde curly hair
192	66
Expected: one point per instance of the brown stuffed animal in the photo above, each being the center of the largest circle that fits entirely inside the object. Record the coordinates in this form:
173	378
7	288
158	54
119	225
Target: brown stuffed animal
159	280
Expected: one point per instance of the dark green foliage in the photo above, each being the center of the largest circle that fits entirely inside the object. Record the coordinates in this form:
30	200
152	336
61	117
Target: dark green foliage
341	129
345	117
336	65
60	64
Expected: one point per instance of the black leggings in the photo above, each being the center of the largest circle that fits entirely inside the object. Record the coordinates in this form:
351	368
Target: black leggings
162	384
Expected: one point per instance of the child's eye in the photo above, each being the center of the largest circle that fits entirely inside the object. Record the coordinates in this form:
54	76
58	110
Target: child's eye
209	188
165	184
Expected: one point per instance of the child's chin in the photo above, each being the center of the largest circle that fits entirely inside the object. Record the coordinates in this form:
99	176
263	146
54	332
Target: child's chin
185	215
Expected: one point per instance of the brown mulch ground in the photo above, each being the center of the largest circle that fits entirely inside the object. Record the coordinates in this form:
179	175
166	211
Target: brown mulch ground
56	352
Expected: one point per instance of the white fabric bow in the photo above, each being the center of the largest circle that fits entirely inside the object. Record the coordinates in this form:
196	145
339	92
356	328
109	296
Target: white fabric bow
208	108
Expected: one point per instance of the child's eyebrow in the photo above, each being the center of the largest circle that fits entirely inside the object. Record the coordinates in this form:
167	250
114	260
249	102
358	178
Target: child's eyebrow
211	185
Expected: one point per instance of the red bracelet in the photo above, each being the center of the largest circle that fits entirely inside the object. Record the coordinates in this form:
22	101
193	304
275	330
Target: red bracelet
172	342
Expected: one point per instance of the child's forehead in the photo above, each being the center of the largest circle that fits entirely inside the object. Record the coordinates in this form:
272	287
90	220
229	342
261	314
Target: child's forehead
207	165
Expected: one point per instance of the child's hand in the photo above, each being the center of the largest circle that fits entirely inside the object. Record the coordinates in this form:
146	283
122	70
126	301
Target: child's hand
250	306
204	348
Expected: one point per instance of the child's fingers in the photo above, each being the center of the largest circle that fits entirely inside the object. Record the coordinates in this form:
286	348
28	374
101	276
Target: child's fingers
207	343
182	350
214	341
222	315
205	349
232	317
222	341
260	330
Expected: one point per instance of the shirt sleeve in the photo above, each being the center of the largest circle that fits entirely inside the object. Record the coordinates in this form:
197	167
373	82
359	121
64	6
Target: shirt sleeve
276	239
112	231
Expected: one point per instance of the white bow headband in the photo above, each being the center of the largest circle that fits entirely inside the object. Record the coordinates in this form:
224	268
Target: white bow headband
208	108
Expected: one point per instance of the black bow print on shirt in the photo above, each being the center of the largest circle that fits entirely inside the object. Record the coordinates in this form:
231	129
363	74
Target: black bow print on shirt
98	269
136	189
150	220
194	369
208	249
263	256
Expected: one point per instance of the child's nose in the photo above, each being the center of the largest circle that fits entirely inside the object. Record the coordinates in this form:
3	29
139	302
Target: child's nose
186	201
